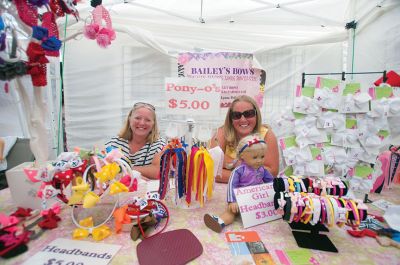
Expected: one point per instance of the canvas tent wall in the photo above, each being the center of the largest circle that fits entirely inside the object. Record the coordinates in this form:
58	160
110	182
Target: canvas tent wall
286	37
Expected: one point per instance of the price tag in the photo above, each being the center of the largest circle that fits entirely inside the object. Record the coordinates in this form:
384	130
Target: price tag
328	123
194	97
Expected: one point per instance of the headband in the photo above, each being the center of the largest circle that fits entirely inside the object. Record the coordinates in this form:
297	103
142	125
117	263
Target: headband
96	31
250	143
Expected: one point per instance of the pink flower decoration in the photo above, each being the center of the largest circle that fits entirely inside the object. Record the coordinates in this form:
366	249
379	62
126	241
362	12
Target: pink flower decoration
183	59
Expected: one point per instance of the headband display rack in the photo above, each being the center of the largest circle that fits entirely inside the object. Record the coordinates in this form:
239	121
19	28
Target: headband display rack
307	235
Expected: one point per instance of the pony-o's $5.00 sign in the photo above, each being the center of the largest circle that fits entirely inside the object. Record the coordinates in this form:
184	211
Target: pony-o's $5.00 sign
193	97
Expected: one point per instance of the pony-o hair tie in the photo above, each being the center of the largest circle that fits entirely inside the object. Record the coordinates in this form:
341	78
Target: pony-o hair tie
96	31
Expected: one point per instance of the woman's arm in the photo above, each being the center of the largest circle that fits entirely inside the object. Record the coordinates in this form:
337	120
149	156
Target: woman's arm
272	154
150	171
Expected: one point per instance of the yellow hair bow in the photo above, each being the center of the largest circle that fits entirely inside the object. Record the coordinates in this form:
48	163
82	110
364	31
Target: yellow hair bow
98	233
107	172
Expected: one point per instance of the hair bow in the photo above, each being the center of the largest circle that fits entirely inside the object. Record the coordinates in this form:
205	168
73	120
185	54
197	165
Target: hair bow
360	184
355	103
305	105
107	172
6	220
362	155
113	155
50	220
296	155
342	169
311	168
347	138
309	135
334	155
332	120
285	123
387	107
327	99
98	233
42	34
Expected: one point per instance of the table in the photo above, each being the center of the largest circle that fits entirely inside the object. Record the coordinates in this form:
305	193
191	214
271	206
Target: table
276	235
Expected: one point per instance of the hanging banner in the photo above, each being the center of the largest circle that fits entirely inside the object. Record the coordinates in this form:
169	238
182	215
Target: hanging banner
235	70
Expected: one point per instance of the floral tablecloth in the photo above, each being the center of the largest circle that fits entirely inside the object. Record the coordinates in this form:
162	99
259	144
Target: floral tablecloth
276	235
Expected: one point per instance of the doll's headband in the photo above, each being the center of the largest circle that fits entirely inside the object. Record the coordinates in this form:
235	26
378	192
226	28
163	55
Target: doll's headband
250	143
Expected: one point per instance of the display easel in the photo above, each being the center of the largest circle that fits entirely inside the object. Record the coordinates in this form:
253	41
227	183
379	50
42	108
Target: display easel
309	237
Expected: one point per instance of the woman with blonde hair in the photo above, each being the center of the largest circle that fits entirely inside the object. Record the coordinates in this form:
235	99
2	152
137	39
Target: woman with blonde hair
242	119
140	141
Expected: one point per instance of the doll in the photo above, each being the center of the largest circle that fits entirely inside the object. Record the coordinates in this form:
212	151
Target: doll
250	151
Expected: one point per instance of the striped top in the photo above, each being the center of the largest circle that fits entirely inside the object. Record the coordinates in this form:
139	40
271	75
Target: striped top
142	157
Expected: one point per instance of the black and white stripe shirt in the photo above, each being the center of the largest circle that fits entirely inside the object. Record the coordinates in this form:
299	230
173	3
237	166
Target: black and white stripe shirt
142	157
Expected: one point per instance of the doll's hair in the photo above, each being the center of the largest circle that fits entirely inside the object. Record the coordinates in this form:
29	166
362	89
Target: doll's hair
250	143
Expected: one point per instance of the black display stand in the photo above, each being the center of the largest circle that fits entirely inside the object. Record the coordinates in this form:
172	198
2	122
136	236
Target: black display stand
312	239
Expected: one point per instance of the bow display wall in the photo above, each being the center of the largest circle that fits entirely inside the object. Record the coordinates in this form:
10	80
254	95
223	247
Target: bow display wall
337	129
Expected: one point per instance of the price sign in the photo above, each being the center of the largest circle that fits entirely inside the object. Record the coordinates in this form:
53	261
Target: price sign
256	204
195	97
73	252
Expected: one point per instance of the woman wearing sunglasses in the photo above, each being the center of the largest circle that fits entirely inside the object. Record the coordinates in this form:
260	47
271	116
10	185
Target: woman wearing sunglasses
242	119
140	141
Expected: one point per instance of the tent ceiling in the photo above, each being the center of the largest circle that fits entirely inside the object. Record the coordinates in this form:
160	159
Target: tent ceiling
240	25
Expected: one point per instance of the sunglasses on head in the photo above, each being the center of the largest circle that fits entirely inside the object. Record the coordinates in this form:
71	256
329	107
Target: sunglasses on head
236	115
143	104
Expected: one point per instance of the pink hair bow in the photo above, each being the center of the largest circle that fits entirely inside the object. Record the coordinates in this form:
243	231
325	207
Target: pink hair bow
56	208
6	220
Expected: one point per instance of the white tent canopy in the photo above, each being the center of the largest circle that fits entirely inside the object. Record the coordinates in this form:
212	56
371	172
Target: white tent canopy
286	37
